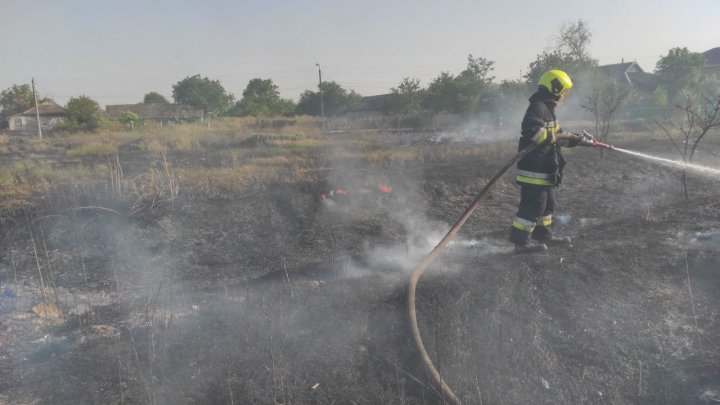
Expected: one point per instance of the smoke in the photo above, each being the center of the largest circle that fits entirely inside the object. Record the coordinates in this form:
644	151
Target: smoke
399	260
404	213
708	238
481	128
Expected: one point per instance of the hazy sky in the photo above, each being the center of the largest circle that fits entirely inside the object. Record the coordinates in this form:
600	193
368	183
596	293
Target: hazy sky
116	51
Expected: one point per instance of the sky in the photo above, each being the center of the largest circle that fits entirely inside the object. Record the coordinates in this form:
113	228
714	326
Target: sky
115	52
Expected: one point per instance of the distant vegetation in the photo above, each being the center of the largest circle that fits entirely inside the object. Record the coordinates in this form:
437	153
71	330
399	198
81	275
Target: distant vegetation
336	100
200	92
467	93
262	98
14	100
155	98
83	113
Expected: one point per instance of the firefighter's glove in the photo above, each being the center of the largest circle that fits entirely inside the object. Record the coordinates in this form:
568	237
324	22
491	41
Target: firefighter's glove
574	141
570	139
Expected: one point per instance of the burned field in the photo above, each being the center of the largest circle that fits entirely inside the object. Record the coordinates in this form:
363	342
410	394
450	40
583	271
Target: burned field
295	291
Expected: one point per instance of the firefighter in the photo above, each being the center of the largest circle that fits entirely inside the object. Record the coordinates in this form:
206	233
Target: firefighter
540	172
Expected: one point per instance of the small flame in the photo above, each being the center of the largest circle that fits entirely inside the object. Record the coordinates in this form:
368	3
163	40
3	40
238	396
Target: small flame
384	188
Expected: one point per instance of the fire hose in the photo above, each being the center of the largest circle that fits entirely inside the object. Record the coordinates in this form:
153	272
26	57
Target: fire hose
448	395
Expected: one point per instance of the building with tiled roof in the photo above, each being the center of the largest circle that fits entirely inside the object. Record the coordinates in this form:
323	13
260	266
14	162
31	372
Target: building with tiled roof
632	74
156	112
712	61
50	114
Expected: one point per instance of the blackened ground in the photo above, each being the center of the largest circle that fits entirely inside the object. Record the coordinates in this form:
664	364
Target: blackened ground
278	297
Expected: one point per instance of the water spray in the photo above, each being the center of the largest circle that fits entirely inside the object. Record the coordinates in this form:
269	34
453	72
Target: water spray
674	163
588	140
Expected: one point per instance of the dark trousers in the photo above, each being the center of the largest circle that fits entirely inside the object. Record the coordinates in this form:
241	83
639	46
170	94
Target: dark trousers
534	215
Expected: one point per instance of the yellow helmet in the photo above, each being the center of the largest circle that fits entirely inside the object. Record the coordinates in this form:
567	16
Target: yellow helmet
556	81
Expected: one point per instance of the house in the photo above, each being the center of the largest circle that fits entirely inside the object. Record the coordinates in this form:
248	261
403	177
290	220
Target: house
632	74
156	112
367	112
50	114
368	107
712	61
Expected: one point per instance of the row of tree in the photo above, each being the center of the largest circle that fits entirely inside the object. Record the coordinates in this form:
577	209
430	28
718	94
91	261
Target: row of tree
468	92
261	97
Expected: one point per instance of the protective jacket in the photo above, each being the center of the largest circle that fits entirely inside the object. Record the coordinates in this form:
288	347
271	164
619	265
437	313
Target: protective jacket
543	167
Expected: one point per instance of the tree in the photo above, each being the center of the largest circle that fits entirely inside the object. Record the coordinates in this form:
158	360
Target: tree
514	90
570	54
464	93
509	98
603	100
574	39
660	96
442	93
83	113
336	99
544	62
473	84
699	114
155	98
261	97
201	92
14	100
406	98
406	104
679	69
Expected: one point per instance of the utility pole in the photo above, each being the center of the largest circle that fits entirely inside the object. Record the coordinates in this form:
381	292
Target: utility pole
37	108
322	102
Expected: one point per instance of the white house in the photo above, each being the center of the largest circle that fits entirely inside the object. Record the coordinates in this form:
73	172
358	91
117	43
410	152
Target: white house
50	114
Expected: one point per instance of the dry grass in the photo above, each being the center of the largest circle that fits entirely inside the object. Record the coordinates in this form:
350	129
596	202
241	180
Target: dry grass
4	141
25	183
192	160
92	150
227	182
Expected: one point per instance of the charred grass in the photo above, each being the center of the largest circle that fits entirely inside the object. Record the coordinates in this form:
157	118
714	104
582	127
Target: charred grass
202	266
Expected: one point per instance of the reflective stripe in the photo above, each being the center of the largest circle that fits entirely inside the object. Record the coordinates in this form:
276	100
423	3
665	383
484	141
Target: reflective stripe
545	221
523	224
534	175
537	182
552	126
540	136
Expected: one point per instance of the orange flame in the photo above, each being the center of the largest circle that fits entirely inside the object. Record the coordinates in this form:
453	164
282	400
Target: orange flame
384	188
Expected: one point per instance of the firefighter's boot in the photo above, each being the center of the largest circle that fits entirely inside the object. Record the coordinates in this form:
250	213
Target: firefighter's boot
542	234
553	241
530	247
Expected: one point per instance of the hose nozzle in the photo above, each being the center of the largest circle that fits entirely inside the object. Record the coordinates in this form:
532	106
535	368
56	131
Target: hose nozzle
602	145
588	140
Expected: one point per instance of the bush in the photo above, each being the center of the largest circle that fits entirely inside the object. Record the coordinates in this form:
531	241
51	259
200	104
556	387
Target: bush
83	114
129	119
